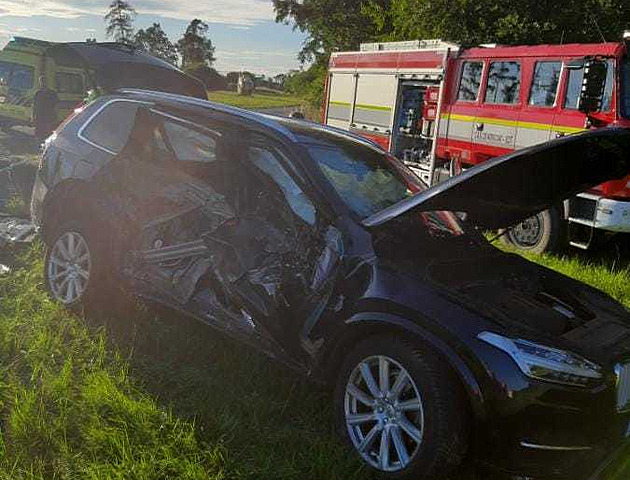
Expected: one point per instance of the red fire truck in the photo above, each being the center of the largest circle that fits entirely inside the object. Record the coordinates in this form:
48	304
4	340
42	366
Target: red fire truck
441	108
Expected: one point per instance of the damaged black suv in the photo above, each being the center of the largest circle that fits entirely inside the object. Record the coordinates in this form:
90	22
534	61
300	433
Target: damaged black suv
326	253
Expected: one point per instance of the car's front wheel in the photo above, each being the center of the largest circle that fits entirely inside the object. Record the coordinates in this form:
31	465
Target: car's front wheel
401	409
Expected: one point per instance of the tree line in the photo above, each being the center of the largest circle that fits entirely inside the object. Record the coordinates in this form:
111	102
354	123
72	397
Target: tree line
193	52
332	25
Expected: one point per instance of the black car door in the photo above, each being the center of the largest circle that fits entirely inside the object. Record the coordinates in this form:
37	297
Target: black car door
161	181
224	230
277	262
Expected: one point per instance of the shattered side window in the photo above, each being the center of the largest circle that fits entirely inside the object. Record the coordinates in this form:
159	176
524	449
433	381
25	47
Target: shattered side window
191	145
269	164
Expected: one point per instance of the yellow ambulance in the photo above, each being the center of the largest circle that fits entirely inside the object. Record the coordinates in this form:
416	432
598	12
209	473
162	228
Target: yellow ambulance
22	62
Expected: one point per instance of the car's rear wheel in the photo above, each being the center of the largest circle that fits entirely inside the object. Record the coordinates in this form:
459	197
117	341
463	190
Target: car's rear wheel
401	409
68	268
76	268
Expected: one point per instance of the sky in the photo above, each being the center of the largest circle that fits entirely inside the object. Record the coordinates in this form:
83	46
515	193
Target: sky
243	31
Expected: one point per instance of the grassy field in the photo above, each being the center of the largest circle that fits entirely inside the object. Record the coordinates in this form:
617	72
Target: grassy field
259	100
145	394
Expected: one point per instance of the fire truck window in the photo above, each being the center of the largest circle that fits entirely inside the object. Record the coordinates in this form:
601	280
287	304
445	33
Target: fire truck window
608	88
504	82
470	81
545	84
574	87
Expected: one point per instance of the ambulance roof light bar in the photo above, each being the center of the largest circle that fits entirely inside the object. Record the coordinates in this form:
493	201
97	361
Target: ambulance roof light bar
433	44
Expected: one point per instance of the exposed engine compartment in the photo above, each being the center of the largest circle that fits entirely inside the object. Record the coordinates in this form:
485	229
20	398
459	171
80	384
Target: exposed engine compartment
531	300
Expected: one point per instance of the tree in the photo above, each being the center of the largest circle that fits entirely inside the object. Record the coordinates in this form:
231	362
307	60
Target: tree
195	47
330	24
120	20
502	21
155	41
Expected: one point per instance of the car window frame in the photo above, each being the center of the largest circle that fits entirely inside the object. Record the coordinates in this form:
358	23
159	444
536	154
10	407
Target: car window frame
518	99
92	118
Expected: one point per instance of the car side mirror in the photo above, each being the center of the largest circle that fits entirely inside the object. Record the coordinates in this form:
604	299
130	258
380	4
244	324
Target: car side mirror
593	85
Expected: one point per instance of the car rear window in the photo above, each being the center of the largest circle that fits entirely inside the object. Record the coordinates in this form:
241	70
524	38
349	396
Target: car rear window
470	81
111	128
545	84
504	83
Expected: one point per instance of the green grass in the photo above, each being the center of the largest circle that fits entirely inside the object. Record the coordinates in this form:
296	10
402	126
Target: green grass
259	100
145	394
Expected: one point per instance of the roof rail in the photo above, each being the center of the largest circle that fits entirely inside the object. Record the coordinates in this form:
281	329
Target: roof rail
31	41
432	44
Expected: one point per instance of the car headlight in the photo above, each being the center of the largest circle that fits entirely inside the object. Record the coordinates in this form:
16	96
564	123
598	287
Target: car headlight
546	363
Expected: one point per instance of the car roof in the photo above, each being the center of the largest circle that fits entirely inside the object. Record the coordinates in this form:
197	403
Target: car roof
296	131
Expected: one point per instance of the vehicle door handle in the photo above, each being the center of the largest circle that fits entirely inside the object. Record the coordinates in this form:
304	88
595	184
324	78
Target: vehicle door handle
479	126
560	134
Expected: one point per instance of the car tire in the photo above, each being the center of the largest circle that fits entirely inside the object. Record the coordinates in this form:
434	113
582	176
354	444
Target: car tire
78	266
542	233
428	416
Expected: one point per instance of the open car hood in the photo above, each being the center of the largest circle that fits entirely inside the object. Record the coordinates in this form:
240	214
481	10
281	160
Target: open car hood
113	66
506	190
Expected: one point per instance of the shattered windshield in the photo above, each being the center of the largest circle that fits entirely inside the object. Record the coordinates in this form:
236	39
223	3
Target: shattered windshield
366	180
369	181
625	89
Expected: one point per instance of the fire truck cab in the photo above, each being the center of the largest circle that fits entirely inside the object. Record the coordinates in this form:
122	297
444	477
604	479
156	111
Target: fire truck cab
442	109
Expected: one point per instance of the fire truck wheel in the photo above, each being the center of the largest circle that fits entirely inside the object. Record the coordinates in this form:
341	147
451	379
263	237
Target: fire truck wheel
542	233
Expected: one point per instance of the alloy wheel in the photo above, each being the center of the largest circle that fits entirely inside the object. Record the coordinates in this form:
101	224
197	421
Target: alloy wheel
69	267
384	413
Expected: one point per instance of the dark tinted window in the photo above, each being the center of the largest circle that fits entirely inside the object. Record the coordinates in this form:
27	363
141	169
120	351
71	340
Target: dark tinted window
13	75
470	81
545	84
191	145
112	127
574	87
70	83
504	82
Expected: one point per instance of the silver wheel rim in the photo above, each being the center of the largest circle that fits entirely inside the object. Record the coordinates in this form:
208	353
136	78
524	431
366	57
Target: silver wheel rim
527	233
384	413
69	267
